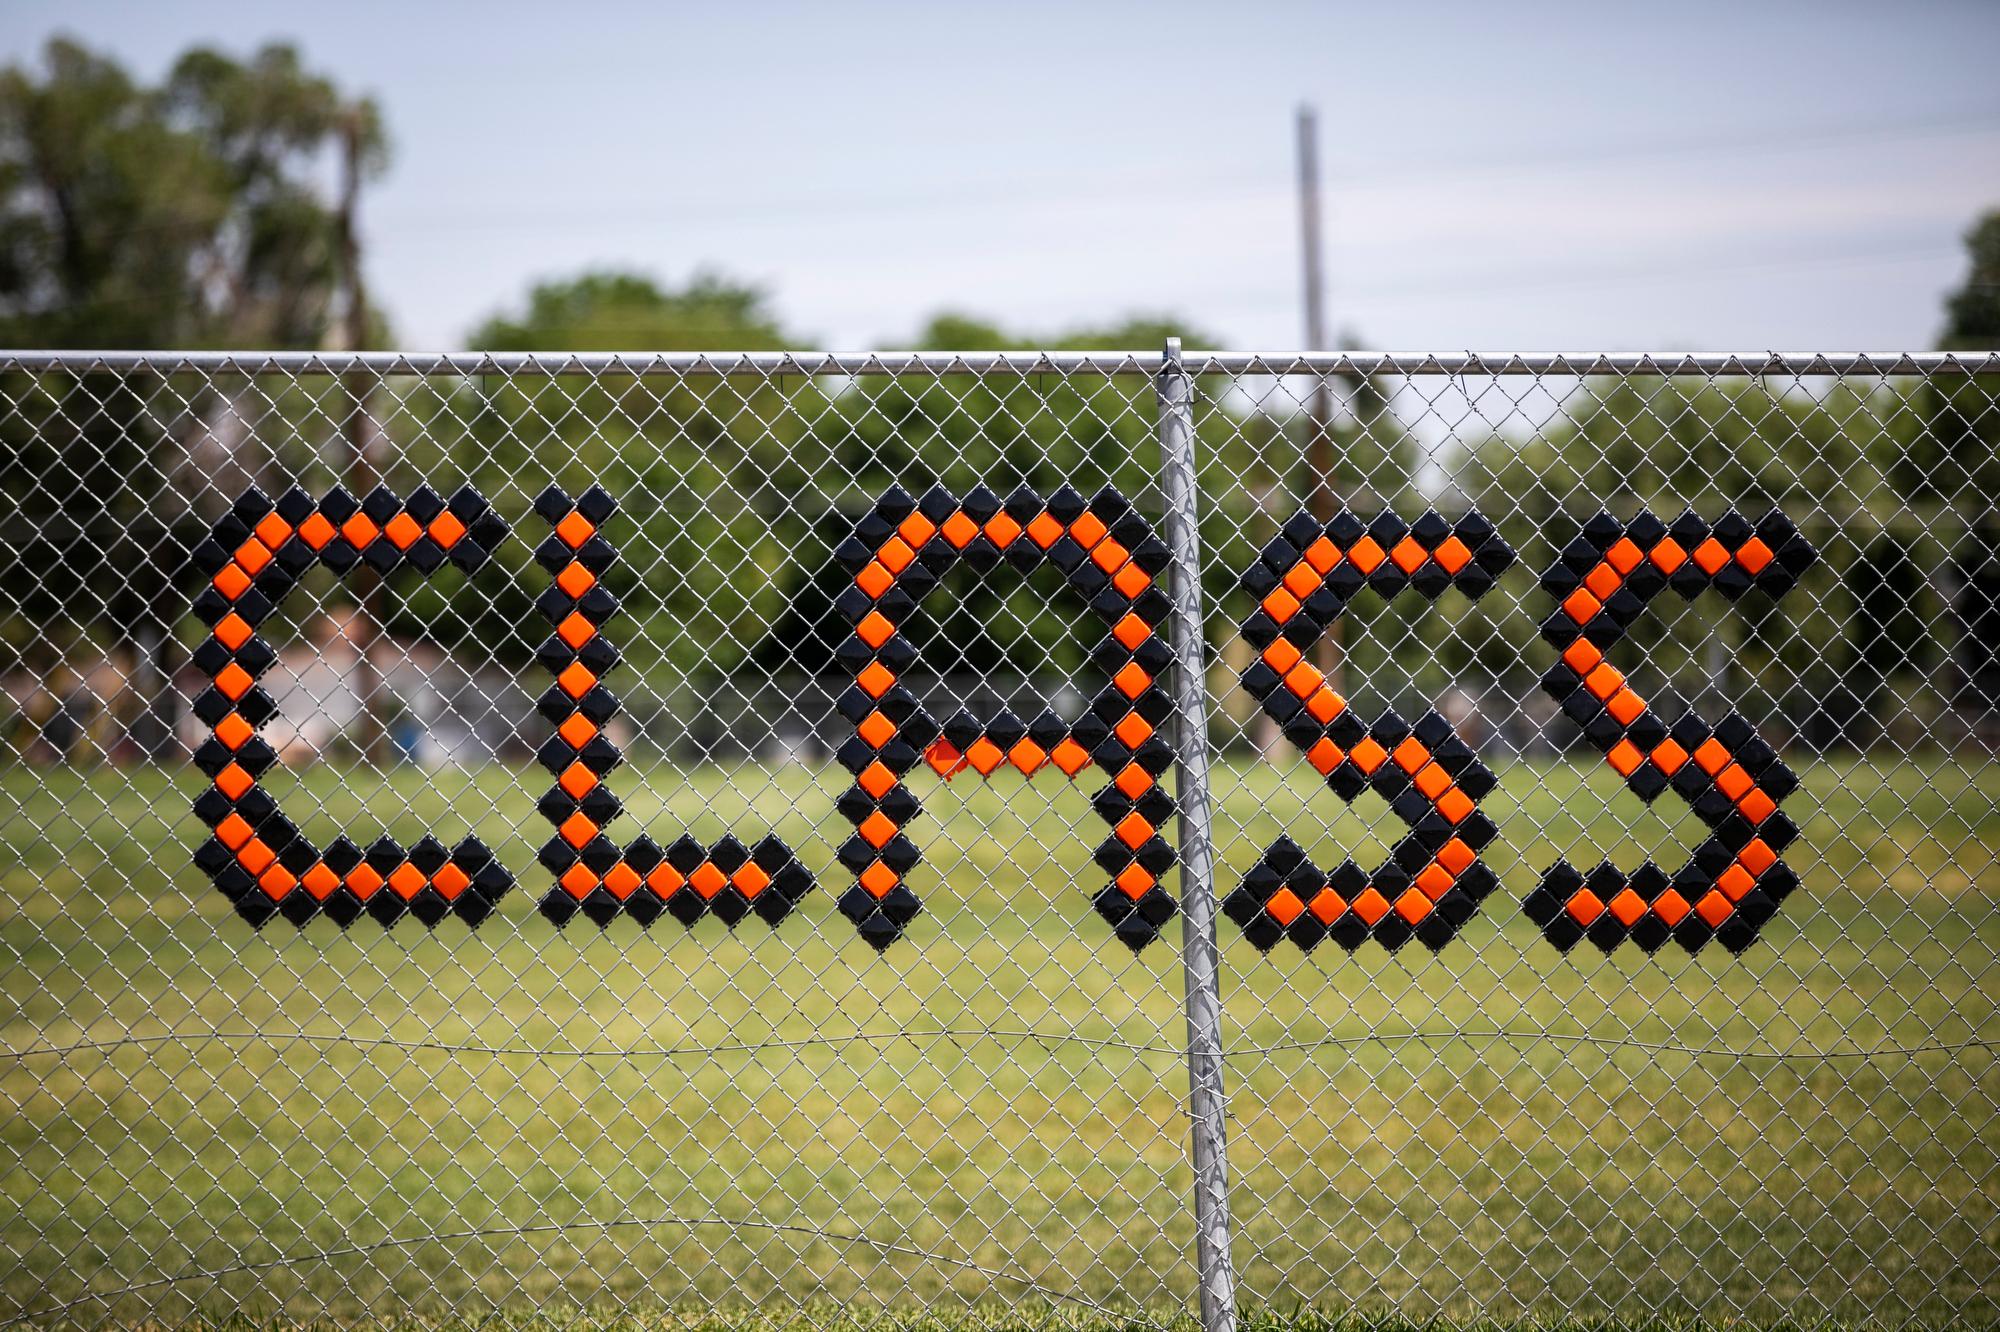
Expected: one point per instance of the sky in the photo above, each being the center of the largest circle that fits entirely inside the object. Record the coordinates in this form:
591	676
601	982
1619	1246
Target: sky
1530	177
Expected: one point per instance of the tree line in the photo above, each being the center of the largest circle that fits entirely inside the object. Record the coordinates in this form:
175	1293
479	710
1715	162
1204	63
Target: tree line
195	213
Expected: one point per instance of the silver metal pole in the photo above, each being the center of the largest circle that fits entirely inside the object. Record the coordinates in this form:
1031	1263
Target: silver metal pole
1207	1106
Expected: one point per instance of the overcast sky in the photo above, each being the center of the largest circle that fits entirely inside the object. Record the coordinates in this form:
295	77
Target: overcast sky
1581	176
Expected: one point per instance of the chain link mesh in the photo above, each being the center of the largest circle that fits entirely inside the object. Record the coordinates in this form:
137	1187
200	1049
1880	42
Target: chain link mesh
614	920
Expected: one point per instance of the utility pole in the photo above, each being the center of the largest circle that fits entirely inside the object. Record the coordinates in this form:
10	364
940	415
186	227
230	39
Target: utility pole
1320	458
358	470
354	314
1319	408
1309	237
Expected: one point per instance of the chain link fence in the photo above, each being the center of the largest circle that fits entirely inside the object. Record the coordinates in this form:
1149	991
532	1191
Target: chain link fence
1084	838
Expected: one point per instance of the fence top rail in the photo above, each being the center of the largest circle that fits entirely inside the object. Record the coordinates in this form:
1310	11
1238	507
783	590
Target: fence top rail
1003	364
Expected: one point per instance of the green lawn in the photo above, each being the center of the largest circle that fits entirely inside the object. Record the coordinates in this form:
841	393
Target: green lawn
992	1113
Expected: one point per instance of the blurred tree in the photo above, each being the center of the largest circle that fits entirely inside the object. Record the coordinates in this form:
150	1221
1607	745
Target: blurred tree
951	330
1821	453
612	310
1972	313
960	431
178	216
1089	431
133	216
1892	480
712	474
1956	462
1966	421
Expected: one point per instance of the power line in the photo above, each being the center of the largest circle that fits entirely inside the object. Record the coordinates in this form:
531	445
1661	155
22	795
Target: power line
1570	276
483	218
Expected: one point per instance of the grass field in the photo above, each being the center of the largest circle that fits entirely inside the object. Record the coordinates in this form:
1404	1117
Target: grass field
991	1115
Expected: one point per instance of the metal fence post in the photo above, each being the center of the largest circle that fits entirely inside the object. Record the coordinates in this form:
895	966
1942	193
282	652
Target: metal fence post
1206	1104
